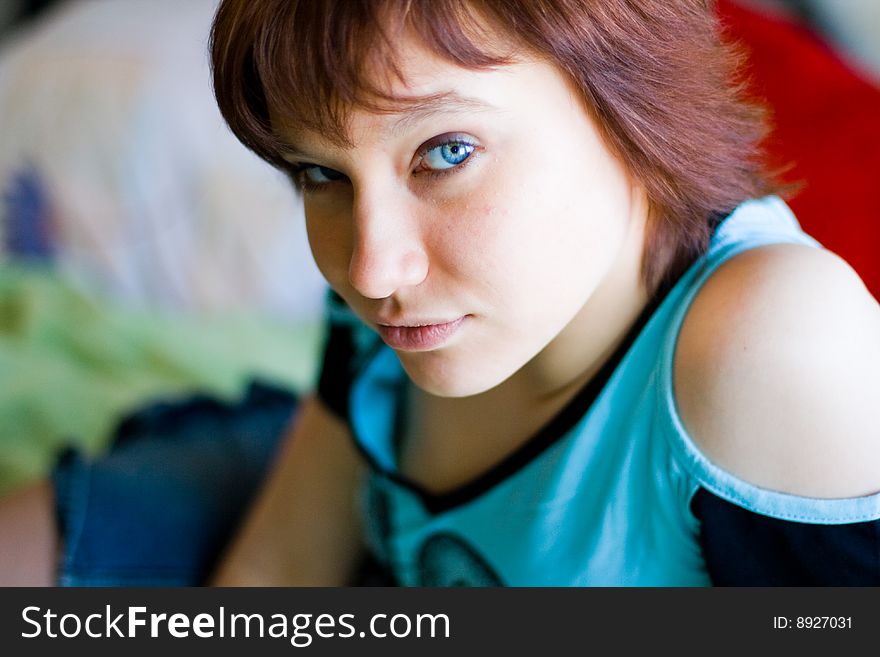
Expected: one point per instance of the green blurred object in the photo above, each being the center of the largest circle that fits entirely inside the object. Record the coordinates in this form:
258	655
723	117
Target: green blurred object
72	366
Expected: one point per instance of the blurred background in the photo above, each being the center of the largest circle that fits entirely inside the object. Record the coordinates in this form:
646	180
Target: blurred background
145	255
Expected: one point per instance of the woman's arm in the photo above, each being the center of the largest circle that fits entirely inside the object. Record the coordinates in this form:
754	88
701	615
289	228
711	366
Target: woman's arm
303	528
28	537
777	382
776	373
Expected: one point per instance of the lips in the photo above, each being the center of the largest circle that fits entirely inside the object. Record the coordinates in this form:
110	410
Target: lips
419	336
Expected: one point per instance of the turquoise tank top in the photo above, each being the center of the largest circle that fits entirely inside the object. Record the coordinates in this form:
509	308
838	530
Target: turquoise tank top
604	501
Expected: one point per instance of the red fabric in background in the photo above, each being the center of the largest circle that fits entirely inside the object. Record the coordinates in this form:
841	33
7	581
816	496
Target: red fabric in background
827	125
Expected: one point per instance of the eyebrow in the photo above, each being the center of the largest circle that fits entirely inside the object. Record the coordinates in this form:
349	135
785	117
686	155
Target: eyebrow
416	110
445	103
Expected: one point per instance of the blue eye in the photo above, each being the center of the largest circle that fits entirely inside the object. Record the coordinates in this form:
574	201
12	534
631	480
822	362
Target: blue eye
448	155
318	175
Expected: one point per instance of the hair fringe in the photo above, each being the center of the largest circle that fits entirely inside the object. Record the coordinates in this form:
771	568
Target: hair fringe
666	91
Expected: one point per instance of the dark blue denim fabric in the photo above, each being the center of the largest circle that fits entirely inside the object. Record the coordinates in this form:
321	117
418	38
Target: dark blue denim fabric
27	212
159	507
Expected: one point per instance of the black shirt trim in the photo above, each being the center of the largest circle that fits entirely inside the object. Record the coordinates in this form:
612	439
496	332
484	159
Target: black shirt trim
743	548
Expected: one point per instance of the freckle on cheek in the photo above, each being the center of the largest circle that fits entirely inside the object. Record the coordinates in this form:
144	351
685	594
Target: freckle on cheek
490	211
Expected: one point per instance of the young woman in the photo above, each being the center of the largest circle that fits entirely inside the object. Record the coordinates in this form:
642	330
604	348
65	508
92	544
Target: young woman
572	339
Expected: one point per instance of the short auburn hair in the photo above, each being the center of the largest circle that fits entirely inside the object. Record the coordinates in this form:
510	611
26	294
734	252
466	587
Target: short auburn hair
661	84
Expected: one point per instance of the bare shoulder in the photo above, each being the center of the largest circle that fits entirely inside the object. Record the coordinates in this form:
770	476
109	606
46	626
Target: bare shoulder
777	373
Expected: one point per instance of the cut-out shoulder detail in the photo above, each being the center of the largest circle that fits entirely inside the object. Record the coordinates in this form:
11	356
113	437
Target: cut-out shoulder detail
776	373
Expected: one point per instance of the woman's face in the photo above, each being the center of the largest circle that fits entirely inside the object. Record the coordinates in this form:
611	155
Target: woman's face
472	231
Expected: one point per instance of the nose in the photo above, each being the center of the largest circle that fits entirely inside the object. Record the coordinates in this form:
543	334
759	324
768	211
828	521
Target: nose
388	252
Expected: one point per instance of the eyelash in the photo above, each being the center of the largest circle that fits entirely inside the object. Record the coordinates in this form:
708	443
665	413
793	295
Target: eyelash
303	184
297	171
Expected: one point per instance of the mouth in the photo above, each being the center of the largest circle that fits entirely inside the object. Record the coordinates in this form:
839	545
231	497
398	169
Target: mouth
418	335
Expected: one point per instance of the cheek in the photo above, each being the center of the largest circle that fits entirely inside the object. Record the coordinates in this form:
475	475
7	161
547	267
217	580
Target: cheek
329	242
578	214
545	243
519	231
461	233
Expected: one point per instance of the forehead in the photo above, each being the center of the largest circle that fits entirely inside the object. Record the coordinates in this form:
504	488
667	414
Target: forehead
422	85
385	66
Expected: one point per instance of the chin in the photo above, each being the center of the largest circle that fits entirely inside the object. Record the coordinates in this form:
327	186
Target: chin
445	379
